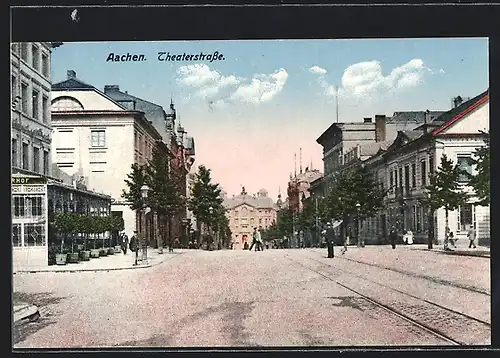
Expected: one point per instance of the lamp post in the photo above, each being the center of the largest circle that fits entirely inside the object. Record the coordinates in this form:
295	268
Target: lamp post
211	211
144	195
358	206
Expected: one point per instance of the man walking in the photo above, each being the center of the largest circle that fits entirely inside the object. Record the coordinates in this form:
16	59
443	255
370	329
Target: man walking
393	236
124	242
472	237
134	246
260	244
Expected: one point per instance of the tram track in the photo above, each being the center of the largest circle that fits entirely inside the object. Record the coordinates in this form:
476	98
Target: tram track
450	326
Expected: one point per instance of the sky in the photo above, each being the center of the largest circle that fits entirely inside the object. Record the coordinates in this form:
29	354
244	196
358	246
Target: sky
260	102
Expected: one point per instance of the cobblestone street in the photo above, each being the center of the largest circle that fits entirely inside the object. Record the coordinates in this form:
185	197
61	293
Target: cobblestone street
370	296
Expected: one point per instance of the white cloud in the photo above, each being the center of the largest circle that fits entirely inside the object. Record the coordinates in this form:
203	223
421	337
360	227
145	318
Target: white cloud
365	79
318	70
262	88
217	88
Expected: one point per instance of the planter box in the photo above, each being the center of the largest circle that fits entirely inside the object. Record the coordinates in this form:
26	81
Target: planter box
72	258
61	259
95	253
118	249
111	250
103	252
85	255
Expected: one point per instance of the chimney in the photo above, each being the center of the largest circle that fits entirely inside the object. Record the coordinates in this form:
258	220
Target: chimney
111	88
367	120
427	120
71	74
457	101
380	125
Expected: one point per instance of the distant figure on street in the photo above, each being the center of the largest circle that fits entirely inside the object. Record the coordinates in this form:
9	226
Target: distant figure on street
330	240
177	243
452	239
471	235
256	240
245	246
134	246
393	236
408	237
190	244
124	242
446	243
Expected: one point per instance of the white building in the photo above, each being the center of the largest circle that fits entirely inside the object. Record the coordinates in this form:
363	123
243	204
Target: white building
99	139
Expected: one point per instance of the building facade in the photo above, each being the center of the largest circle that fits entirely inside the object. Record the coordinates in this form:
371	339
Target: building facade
30	111
98	139
404	169
246	212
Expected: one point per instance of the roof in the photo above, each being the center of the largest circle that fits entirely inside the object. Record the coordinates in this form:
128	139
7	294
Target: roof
412	116
447	119
72	84
153	112
258	202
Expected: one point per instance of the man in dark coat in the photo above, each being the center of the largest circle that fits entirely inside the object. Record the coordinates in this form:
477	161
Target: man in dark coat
393	236
330	240
134	246
124	242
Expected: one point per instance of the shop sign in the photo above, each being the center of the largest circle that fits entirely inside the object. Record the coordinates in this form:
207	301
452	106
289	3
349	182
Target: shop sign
28	189
28	180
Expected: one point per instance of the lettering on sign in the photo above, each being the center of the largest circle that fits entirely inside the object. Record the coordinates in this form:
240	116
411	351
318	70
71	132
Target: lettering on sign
28	189
28	180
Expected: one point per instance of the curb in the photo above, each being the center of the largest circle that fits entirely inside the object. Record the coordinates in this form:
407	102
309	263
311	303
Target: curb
96	269
460	253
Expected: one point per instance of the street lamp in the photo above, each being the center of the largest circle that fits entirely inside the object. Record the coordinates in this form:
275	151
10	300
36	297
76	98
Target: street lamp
211	211
144	195
358	206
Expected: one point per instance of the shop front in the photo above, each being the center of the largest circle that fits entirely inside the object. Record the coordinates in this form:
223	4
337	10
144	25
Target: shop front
29	221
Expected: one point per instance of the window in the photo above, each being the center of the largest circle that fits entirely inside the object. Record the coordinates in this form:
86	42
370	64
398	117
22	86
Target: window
465	220
26	161
418	219
45	110
14	152
13	88
465	164
36	100
66	104
24	98
45	65
431	165
34	235
18	203
423	173
46	162
15	48
34	206
35	56
24	51
16	235
98	138
400	177
36	159
391	179
413	175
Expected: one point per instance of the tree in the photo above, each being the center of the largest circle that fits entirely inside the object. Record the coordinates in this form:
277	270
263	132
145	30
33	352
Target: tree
284	222
352	187
166	197
306	220
481	181
135	180
204	194
445	190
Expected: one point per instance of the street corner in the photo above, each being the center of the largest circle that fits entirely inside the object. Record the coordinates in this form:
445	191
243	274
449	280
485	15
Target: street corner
23	311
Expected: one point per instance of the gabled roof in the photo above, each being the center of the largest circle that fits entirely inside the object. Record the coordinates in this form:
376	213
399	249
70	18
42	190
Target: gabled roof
449	118
258	202
72	84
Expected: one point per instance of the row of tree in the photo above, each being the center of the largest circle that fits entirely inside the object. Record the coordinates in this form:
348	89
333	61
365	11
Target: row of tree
167	195
358	193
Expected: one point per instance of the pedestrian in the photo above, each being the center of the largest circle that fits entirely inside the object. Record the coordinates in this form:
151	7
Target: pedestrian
471	235
124	242
446	243
170	245
393	236
134	246
330	240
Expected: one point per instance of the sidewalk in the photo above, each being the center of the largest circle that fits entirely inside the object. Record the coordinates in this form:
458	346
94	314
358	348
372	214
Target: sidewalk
462	249
106	263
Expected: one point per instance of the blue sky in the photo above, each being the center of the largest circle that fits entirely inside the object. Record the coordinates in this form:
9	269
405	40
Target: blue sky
252	111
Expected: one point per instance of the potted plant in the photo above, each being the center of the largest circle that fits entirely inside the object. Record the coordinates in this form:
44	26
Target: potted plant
95	252
73	229
62	225
99	229
84	227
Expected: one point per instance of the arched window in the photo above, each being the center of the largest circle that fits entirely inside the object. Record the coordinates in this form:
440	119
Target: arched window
66	103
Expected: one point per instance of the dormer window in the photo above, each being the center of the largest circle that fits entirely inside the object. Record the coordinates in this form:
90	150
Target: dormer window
66	103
